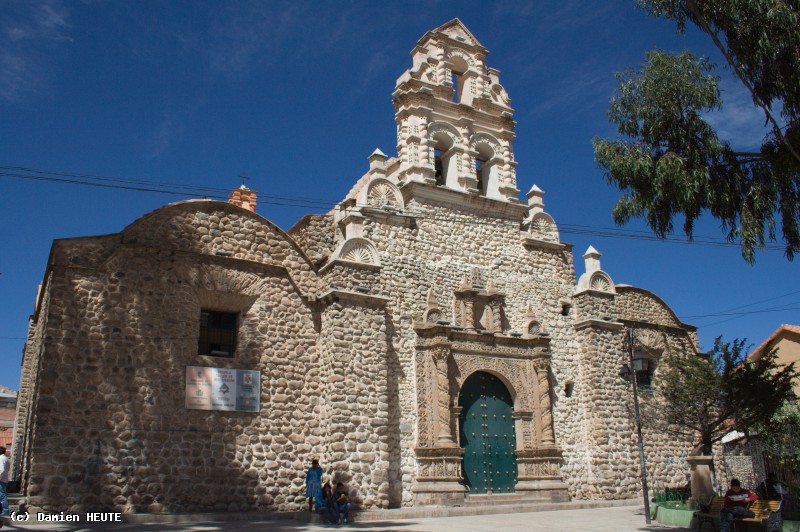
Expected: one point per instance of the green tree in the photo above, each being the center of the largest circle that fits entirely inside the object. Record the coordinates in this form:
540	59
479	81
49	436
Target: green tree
671	162
702	399
784	425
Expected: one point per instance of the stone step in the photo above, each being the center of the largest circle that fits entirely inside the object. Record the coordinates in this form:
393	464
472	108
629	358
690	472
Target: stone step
366	515
489	507
504	498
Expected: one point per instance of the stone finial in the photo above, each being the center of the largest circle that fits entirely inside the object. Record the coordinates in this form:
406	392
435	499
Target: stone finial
431	299
535	197
377	159
243	197
465	284
490	289
529	314
591	259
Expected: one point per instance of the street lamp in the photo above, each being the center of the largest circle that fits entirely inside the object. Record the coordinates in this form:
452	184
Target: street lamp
638	363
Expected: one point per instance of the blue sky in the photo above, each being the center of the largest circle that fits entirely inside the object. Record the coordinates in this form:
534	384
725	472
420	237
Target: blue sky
298	94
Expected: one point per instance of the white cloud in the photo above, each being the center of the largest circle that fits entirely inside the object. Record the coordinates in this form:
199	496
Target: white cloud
739	122
162	137
248	35
28	32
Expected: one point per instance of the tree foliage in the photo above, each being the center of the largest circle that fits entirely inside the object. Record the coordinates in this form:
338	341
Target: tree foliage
671	162
784	425
702	399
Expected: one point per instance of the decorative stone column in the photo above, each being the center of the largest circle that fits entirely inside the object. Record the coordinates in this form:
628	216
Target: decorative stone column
539	468
702	481
542	368
496	304
441	355
439	474
469	311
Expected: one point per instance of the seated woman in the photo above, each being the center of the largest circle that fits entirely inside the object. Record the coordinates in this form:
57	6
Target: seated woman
325	504
341	504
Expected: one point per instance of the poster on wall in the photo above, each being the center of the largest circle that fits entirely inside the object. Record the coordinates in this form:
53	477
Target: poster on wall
223	389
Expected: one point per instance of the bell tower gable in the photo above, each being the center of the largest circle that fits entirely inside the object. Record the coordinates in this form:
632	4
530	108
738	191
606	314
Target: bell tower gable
455	126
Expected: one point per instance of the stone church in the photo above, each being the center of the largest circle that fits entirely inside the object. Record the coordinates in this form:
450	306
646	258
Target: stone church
428	340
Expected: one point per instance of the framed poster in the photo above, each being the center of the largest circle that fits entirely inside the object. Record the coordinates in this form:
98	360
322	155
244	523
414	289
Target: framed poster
223	389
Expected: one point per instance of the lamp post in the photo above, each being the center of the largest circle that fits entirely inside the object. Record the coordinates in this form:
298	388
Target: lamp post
638	364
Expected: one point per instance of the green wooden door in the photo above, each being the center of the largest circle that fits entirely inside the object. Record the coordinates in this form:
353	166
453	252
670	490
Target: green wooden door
487	435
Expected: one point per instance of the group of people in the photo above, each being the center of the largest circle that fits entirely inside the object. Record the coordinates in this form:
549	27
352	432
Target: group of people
334	506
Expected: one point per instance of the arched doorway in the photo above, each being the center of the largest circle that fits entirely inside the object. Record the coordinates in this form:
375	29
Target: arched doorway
487	435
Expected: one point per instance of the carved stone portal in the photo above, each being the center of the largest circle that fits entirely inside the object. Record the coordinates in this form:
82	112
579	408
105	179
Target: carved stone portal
446	357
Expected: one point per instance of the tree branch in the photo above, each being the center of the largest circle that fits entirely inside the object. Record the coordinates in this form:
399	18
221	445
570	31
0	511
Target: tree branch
692	7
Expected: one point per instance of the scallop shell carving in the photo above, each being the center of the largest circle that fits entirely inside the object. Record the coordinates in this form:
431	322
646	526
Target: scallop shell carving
601	283
434	316
358	253
544	227
381	194
534	328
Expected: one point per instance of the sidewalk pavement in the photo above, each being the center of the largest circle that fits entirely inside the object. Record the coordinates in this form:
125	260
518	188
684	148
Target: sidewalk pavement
615	519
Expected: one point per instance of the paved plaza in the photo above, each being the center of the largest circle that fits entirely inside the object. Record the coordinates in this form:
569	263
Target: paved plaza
616	519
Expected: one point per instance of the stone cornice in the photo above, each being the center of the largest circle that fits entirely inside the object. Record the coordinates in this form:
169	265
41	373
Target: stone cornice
641	324
351	296
349	264
481	204
530	241
468	342
600	324
590	292
409	95
394	216
439	452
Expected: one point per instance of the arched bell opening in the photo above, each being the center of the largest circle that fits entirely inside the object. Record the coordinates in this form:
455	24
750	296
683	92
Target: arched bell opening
444	158
487	435
458	70
485	168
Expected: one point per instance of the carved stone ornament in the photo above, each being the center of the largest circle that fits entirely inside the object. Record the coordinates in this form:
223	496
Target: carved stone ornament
425	399
651	341
544	228
511	371
358	250
433	316
433	313
382	193
600	282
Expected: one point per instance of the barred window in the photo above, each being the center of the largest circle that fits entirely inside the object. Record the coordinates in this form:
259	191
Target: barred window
217	334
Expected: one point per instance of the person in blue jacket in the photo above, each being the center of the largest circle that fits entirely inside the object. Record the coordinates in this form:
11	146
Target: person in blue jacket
313	484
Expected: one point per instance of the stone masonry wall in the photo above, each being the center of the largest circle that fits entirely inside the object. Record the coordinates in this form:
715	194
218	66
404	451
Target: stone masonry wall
118	338
361	431
443	246
594	424
315	234
26	401
338	375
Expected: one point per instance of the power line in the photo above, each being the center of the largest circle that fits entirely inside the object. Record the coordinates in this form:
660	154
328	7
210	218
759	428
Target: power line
721	312
762	311
312	203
